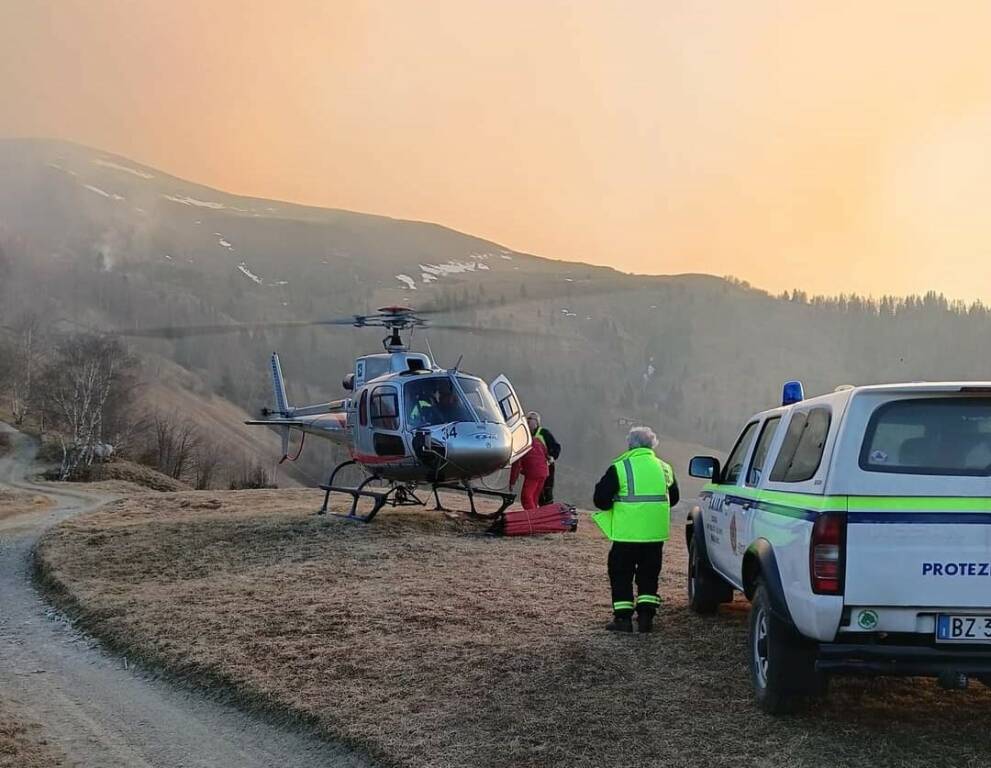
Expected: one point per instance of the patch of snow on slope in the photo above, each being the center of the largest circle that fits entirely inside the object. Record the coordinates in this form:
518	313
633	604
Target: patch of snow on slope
426	277
58	167
243	268
124	168
409	281
185	200
225	243
453	267
505	256
280	282
99	191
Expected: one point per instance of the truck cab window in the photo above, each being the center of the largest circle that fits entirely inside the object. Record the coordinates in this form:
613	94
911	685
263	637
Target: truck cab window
734	464
767	433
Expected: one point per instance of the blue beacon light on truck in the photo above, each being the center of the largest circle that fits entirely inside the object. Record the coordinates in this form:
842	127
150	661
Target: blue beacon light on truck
792	393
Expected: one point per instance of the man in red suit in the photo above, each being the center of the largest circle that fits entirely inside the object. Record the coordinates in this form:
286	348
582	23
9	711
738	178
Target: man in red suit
533	466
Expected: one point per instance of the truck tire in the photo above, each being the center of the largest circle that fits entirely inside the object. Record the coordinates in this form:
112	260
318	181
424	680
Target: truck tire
782	662
706	590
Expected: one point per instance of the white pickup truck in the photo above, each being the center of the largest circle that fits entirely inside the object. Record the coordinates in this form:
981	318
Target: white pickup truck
858	524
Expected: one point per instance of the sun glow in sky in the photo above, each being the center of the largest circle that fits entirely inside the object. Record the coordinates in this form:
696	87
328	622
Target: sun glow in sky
832	146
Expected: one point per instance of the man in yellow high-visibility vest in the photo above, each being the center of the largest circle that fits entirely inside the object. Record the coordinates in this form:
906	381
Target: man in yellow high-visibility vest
636	495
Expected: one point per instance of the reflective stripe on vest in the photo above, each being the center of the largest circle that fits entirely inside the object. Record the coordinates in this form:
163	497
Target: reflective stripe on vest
631	495
641	511
540	436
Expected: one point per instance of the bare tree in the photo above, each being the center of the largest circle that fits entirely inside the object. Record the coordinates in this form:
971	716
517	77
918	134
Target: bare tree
208	461
249	474
27	360
82	376
6	362
177	441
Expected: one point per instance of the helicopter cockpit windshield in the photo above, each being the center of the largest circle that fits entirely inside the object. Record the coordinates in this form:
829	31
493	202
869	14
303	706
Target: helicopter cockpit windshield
481	399
437	400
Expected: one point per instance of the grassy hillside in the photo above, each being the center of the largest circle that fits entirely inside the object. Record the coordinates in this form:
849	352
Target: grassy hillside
98	240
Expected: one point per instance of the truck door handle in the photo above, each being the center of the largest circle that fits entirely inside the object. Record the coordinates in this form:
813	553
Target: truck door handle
746	505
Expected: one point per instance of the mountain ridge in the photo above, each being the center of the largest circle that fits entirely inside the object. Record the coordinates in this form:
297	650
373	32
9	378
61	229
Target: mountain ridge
593	349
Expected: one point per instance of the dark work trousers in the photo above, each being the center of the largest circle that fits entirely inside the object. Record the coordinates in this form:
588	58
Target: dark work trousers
547	495
629	562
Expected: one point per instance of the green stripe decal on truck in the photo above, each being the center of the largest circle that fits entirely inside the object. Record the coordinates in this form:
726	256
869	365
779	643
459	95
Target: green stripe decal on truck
786	503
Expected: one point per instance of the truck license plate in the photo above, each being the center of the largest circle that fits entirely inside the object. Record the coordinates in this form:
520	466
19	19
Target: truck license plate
956	628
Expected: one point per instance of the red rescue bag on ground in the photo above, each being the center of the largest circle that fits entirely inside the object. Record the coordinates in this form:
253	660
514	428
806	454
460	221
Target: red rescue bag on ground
550	518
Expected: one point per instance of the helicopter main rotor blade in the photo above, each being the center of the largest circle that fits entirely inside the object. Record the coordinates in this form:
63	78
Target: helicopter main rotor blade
573	291
484	330
189	331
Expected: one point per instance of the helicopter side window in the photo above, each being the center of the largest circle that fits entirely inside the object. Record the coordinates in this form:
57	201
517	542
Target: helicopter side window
384	408
508	403
363	409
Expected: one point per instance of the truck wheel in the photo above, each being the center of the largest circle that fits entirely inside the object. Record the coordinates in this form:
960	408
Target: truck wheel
782	663
705	588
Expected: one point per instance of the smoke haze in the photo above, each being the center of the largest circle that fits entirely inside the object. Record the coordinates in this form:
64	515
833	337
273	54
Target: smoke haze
832	146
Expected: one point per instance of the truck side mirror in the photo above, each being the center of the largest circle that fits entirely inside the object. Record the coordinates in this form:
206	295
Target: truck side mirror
705	467
348	382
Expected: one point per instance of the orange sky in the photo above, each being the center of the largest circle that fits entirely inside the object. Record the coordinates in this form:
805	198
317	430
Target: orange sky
833	146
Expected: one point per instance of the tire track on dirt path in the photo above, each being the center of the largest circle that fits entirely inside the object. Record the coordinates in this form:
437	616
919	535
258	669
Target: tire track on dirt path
99	713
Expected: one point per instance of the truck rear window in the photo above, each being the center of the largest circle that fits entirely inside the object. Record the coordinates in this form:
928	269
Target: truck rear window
930	436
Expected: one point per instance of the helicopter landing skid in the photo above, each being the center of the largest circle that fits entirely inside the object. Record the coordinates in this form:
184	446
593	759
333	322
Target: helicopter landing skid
396	495
470	491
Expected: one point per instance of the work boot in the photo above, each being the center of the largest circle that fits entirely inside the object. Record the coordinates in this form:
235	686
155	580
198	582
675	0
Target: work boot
620	623
645	623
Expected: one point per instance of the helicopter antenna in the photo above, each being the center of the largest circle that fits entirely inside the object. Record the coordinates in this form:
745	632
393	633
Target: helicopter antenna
458	364
430	352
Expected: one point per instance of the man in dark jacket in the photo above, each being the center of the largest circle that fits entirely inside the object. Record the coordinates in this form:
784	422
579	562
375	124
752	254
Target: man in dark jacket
553	452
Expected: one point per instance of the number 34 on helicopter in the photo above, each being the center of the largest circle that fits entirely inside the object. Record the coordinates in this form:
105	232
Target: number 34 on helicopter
408	423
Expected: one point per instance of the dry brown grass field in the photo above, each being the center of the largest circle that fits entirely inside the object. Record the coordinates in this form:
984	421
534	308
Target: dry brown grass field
20	744
426	643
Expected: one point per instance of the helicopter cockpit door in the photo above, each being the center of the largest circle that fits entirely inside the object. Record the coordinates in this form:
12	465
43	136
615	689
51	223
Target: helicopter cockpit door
512	412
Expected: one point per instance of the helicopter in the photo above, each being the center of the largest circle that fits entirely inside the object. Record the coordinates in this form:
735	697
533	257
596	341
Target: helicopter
407	423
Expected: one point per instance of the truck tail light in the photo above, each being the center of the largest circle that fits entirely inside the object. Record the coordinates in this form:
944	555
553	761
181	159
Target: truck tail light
826	554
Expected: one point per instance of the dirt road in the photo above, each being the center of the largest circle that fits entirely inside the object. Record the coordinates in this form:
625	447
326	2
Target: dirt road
98	712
